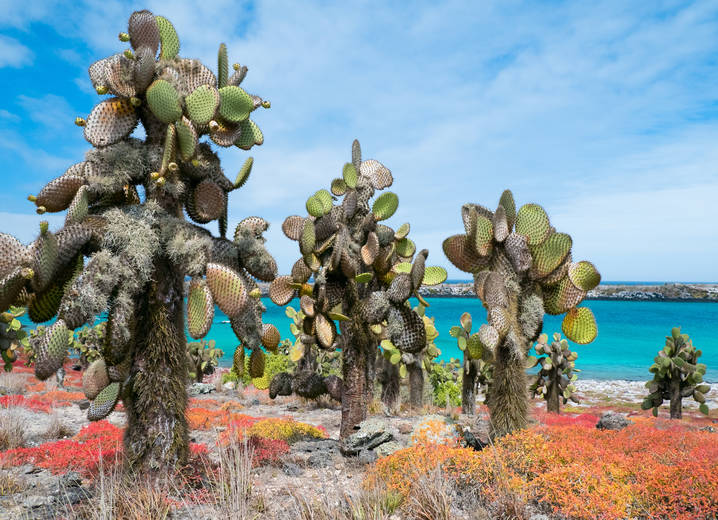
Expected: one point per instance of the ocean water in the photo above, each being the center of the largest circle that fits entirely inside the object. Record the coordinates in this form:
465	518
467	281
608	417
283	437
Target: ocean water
630	334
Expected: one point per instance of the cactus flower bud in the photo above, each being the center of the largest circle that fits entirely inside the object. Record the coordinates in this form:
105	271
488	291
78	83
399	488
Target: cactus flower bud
213	126
135	101
161	181
40	210
129	54
124	37
31	198
266	103
235	66
172	167
195	162
101	89
79	121
155	175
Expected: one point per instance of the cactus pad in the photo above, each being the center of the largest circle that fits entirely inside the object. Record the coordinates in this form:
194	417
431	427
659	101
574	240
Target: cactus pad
200	309
378	175
270	337
202	103
44	252
434	275
325	330
50	350
584	275
501	226
209	200
405	247
293	227
105	402
168	38
225	134
517	249
412	338
12	253
78	209
280	290
143	31
110	121
227	289
235	104
308	239
561	297
385	205
489	336
533	223
95	379
12	285
164	102
460	254
256	363
350	176
483	235
579	325
58	193
186	138
370	250
549	255
507	202
249	136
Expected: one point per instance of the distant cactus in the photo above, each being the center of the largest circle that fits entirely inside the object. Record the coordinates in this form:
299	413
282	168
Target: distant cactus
522	269
362	277
203	358
12	336
676	375
139	245
478	365
556	376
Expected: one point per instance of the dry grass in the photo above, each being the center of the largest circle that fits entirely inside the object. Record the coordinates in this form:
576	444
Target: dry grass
233	482
364	505
13	384
9	484
431	498
12	430
57	429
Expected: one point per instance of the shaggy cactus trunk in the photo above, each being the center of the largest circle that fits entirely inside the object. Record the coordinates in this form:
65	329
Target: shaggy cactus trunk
552	399
357	385
508	400
675	396
468	391
416	385
157	435
390	386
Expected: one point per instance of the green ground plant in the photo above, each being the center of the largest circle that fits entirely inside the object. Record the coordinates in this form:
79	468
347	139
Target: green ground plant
138	244
522	269
676	376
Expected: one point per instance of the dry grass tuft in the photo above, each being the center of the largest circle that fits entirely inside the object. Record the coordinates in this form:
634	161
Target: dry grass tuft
13	383
431	498
366	505
9	484
58	429
12	430
233	481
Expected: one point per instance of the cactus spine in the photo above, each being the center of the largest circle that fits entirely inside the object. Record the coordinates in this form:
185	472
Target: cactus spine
129	255
676	375
522	268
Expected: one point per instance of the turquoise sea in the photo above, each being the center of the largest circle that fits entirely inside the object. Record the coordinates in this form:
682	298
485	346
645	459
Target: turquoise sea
630	332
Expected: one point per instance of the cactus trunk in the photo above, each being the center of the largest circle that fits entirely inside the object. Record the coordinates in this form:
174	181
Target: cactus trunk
468	390
390	386
508	400
675	396
155	401
416	385
552	399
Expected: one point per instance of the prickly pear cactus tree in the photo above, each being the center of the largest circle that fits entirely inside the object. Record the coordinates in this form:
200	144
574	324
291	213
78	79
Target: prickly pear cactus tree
12	336
362	276
138	244
202	357
307	380
677	375
557	374
478	365
522	268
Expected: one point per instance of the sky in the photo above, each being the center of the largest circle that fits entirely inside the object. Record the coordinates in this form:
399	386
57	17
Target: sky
605	113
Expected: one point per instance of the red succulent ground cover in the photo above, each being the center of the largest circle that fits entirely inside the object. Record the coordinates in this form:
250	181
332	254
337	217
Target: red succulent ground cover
31	403
648	470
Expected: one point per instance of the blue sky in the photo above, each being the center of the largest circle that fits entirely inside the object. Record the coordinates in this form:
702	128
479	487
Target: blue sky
605	113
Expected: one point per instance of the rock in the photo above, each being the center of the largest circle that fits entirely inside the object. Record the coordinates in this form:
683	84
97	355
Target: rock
539	516
84	404
229	385
317	453
34	501
200	388
405	427
371	433
388	448
367	456
612	421
291	470
70	479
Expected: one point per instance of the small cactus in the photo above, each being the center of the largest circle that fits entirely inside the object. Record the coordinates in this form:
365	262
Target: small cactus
557	374
676	375
477	366
203	358
12	336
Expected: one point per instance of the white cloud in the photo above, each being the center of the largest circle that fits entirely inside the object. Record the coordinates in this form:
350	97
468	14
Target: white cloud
13	53
50	111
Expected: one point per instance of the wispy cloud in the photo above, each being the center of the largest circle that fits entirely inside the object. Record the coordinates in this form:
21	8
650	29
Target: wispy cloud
13	53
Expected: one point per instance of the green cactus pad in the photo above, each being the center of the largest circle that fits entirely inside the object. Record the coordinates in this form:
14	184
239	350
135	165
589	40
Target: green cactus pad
235	104
50	350
579	325
402	231
483	235
584	275
228	290
105	402
200	309
256	363
43	306
405	247
314	206
12	285
58	193
95	379
507	201
280	290
244	172
350	175
44	252
186	138
532	222
561	297
326	199
378	175
222	66
474	346
202	103
308	239
462	256
170	44
434	275
250	135
238	361
163	100
78	209
110	121
338	187
549	255
385	206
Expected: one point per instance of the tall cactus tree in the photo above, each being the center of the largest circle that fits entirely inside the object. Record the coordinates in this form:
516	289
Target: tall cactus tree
522	269
141	248
362	277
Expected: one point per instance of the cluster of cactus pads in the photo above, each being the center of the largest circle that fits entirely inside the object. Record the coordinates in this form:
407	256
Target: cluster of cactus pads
557	374
677	375
202	356
141	248
12	336
522	268
477	366
363	276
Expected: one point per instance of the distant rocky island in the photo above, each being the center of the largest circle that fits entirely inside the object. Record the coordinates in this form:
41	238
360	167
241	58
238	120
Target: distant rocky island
664	292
